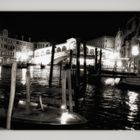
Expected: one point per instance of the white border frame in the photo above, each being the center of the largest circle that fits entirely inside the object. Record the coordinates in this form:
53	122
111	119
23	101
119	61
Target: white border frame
69	5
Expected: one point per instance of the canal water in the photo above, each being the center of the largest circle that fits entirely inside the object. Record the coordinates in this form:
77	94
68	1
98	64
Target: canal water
106	107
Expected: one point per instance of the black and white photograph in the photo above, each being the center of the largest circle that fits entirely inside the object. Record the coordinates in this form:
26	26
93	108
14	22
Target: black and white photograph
76	70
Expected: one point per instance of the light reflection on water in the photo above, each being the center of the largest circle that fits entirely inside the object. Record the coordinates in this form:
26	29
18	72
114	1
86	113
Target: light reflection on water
107	106
37	75
23	77
0	72
132	103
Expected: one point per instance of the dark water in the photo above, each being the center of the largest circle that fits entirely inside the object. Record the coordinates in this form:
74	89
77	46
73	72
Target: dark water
105	107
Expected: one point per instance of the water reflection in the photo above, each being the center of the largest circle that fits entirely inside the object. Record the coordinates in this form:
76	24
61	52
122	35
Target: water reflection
106	107
31	71
132	103
38	76
23	77
0	72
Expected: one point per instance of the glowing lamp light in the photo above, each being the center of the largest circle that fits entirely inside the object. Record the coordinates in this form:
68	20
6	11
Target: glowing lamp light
63	107
65	117
135	50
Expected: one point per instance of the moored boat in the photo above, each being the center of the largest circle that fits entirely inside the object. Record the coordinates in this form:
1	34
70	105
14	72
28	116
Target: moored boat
130	83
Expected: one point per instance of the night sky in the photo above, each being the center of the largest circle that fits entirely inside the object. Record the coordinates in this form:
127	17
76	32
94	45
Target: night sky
59	26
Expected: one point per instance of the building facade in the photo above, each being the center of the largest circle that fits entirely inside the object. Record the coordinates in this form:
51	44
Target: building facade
11	49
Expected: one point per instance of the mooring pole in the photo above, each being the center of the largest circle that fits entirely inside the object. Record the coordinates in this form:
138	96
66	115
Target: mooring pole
70	62
85	57
100	62
60	72
64	98
70	90
77	90
85	66
51	68
28	90
12	94
96	55
40	102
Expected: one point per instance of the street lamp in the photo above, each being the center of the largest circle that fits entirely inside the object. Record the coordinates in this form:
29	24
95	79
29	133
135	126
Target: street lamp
135	52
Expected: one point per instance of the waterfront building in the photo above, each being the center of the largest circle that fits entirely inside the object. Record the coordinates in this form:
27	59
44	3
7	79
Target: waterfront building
107	45
132	44
11	48
39	45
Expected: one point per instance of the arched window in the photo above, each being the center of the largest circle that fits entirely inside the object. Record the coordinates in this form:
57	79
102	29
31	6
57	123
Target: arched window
47	51
92	51
81	48
64	48
58	49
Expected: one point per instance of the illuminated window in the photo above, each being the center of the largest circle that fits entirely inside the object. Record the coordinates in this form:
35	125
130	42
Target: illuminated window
47	51
81	48
92	52
64	48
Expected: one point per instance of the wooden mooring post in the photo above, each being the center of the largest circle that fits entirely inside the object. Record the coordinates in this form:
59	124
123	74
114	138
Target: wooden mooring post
100	62
70	90
96	56
28	94
12	95
70	62
85	57
64	98
60	73
70	83
77	88
85	68
51	68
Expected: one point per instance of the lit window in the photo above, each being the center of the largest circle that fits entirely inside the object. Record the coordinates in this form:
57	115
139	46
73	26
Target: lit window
81	48
92	52
64	48
47	51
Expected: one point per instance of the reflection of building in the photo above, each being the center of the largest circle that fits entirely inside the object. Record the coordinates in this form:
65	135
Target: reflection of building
13	48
